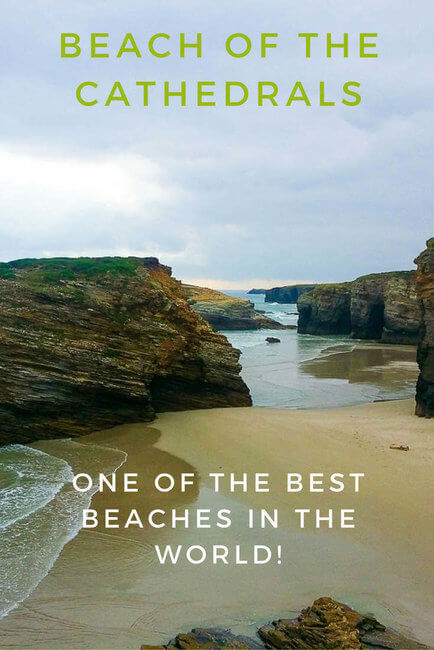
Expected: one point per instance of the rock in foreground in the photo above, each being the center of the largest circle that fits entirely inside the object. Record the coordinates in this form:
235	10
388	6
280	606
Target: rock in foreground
326	624
227	312
90	343
381	306
425	351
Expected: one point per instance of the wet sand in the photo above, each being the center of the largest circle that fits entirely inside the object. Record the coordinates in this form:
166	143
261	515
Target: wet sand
107	589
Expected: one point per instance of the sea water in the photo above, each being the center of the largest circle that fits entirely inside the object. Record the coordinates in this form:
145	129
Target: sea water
304	371
40	510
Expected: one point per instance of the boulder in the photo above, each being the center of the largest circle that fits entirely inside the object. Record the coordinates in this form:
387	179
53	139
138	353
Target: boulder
330	624
272	339
425	350
208	638
90	343
325	624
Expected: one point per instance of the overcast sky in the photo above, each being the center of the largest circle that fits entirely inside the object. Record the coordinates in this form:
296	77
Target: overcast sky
230	197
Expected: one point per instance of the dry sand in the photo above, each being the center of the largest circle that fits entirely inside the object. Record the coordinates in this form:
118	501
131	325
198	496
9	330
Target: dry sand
107	589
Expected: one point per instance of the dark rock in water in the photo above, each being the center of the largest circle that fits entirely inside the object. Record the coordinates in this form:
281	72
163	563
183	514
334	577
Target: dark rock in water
257	291
425	350
225	312
272	339
326	624
287	294
89	343
381	306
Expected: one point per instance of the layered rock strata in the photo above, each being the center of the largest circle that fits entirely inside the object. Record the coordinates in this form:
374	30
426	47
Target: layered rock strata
225	312
381	306
425	350
326	624
88	343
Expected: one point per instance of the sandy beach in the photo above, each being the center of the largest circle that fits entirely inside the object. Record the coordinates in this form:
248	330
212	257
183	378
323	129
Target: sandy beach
108	590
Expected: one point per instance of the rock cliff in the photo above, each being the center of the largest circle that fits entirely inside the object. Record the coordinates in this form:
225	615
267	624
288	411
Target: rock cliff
425	350
288	294
91	343
225	312
325	310
381	306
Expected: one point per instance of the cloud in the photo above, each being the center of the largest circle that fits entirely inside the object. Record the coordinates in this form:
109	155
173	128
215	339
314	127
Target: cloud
41	189
229	197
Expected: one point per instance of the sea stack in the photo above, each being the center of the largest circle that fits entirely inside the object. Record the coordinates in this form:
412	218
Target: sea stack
89	343
425	350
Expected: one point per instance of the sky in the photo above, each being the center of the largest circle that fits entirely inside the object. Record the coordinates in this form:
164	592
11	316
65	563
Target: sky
230	197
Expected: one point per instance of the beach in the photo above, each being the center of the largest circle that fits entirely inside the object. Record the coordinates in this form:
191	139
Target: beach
108	590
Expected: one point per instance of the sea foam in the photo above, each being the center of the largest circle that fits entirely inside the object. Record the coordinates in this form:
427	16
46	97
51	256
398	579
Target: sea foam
40	510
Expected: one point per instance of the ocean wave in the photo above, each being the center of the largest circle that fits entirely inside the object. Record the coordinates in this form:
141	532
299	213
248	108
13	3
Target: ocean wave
31	544
29	479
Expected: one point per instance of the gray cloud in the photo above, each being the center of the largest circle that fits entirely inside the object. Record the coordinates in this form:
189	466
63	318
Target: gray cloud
230	195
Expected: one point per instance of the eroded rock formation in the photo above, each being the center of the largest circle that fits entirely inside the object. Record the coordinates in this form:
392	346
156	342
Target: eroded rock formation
91	343
381	306
227	312
326	624
326	310
425	350
288	294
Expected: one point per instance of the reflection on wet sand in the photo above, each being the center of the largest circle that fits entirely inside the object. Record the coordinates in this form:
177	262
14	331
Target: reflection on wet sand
389	367
108	590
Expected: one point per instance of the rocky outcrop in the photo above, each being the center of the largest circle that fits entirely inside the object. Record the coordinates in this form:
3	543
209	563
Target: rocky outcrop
288	294
326	624
257	291
90	343
326	310
381	306
225	312
425	350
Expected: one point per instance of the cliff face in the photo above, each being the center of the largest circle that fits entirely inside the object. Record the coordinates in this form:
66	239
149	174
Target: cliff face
381	306
289	294
326	310
227	312
425	350
91	343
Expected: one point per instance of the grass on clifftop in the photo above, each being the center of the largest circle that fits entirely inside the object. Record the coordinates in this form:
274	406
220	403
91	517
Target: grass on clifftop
57	269
203	294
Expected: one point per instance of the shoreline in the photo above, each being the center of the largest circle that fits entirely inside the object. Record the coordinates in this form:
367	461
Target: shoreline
107	589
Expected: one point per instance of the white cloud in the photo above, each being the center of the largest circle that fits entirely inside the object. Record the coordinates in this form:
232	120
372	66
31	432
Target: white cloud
37	190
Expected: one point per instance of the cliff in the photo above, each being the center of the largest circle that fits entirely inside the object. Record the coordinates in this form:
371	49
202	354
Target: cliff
325	310
91	343
225	312
381	306
425	350
289	294
257	291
